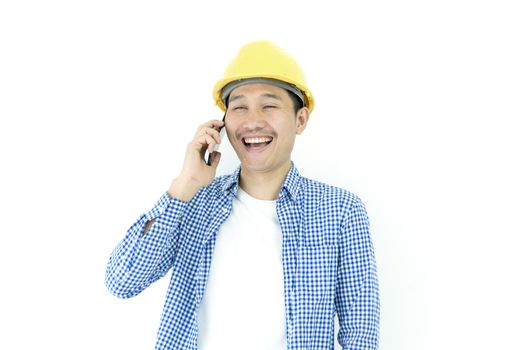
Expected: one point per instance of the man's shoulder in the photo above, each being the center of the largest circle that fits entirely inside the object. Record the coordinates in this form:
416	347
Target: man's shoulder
328	208
316	189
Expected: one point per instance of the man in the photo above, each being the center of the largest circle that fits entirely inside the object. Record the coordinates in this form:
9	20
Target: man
263	258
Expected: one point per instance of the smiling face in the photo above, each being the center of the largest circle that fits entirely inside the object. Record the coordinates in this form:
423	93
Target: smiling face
262	125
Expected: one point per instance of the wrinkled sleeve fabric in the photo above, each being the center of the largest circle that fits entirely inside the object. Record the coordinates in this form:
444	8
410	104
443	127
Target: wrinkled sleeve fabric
140	259
357	293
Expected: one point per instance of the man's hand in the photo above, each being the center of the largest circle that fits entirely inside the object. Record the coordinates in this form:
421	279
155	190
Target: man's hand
195	172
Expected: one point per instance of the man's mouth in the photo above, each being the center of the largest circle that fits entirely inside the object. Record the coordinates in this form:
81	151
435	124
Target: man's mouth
256	142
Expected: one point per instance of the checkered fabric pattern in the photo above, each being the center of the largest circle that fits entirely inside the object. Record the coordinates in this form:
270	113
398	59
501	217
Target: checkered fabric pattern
327	255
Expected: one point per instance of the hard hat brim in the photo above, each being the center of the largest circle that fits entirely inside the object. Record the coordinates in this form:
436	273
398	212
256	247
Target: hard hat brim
219	86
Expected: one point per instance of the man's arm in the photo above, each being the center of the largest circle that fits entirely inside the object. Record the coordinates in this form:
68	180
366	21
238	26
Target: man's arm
147	251
357	296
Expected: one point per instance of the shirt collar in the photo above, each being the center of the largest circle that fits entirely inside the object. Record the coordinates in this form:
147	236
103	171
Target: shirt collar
291	184
231	182
289	187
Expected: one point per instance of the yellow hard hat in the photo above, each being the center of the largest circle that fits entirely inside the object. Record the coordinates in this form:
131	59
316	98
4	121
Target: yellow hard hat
263	59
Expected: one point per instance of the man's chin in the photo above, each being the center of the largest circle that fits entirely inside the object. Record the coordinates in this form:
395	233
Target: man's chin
261	167
254	166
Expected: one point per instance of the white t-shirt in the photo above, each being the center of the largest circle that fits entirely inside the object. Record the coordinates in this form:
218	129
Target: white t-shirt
243	303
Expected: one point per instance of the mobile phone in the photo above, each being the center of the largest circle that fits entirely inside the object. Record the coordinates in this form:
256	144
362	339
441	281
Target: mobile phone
209	157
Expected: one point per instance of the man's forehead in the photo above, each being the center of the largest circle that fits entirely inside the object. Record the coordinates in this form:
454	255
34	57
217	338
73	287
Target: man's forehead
259	90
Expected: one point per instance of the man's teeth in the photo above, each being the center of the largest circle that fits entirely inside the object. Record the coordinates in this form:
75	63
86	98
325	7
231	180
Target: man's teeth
257	139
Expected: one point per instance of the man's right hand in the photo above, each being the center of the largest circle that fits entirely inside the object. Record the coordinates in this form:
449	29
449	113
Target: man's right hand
196	173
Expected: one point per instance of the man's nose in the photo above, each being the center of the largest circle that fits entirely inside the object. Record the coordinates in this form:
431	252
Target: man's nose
254	119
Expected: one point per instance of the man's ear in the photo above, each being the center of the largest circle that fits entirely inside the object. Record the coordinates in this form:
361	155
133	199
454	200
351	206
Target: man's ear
302	119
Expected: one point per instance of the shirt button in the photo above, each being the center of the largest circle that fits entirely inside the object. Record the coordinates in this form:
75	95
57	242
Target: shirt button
224	210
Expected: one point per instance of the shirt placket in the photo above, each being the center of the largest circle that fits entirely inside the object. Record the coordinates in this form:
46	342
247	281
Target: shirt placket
290	219
221	211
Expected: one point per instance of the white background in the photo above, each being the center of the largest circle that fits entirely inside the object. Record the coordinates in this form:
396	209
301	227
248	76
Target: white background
419	109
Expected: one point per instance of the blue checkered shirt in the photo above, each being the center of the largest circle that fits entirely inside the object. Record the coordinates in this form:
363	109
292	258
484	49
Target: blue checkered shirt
327	255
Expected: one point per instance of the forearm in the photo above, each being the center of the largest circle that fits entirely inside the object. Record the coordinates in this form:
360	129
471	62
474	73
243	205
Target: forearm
135	261
147	250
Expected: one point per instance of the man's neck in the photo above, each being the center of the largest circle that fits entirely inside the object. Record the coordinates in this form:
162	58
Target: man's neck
264	185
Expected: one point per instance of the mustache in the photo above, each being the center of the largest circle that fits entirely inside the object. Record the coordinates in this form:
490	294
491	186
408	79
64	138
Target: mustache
265	131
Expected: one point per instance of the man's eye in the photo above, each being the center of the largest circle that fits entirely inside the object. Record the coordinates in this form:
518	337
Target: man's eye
269	106
239	108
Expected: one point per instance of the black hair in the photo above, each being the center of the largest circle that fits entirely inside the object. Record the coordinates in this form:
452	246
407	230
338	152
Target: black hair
297	102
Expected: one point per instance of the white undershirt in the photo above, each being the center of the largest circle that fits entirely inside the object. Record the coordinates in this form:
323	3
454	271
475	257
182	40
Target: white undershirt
243	304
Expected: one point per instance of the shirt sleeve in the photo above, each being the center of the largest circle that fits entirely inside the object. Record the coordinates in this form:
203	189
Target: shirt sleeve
357	295
141	259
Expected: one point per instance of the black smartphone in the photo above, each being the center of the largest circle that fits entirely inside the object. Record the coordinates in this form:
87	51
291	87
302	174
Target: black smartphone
222	131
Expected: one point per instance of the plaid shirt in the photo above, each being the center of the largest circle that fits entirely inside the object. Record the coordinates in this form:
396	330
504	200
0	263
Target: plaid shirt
327	254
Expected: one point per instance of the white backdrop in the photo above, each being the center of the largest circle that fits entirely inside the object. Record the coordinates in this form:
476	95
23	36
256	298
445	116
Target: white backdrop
418	112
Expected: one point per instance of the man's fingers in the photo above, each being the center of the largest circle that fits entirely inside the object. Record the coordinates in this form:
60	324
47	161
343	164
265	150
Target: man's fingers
207	137
204	142
212	124
208	131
